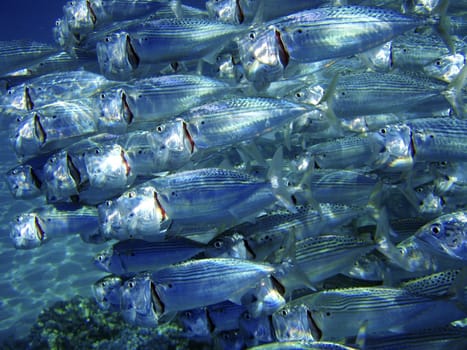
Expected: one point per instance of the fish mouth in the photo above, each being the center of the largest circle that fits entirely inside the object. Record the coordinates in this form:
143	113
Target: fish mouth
284	56
27	99
74	172
160	207
249	251
240	15
35	179
278	286
92	14
125	163
132	56
211	325
189	137
315	331
39	231
157	305
39	131
127	113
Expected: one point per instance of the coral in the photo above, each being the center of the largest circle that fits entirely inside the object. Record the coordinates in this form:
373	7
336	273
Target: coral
80	324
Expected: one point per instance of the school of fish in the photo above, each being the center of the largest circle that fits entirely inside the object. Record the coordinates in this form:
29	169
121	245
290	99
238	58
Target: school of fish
268	174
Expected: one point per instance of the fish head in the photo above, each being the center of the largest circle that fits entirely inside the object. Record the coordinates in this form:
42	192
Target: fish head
62	176
226	11
228	246
195	323
23	182
27	231
108	168
107	292
392	148
262	55
79	17
175	140
292	323
103	260
255	330
414	255
445	68
227	67
116	57
28	135
18	97
311	95
135	214
116	115
139	300
447	235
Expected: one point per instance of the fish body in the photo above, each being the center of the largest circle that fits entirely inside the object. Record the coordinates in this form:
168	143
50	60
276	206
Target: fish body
318	34
239	119
338	313
209	280
136	255
53	126
446	234
32	229
24	181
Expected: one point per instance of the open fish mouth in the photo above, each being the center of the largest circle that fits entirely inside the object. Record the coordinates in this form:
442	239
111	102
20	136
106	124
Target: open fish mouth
133	58
125	163
39	230
157	305
284	56
127	113
315	331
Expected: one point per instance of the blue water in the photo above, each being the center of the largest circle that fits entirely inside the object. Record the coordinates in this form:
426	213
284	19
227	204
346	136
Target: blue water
32	280
29	19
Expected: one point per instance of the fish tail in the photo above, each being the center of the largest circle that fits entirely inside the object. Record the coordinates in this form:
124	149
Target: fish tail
443	24
454	93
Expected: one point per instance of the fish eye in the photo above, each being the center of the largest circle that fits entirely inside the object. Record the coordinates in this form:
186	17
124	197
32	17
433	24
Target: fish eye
160	128
100	258
299	94
102	96
247	316
97	151
218	244
252	35
435	229
108	203
131	284
131	194
284	312
383	131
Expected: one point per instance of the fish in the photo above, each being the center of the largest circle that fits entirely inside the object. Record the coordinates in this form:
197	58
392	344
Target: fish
338	313
169	199
32	229
305	37
132	256
146	297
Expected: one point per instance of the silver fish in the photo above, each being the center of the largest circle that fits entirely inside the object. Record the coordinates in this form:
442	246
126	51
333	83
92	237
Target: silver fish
136	255
32	229
209	280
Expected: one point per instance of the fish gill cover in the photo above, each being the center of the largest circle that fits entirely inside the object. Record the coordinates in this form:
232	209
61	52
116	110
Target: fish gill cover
232	174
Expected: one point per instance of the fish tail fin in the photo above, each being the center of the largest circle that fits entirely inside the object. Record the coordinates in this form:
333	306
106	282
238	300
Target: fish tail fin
454	93
443	24
327	106
279	188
